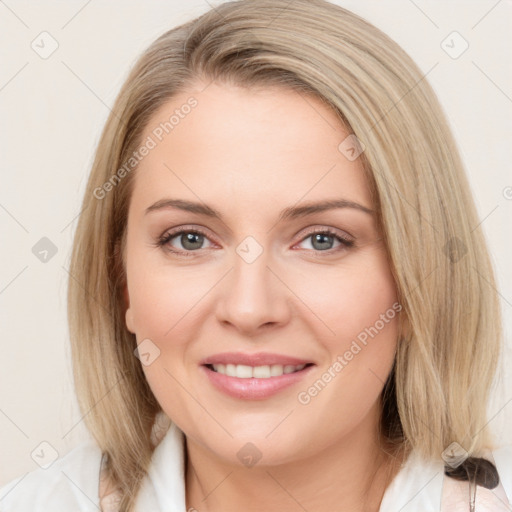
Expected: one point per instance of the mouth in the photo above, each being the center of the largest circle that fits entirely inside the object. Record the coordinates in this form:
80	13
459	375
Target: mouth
254	382
242	371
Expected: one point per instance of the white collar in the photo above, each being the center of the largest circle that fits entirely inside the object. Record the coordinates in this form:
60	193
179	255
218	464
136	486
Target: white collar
164	487
419	485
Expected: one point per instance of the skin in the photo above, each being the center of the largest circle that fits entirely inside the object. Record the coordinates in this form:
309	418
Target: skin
249	154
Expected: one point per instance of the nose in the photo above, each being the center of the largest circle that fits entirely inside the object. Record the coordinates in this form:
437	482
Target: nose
252	297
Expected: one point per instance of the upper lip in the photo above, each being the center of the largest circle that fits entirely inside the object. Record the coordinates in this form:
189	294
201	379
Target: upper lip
257	359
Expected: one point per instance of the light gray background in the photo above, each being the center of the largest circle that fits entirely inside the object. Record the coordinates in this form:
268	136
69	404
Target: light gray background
52	111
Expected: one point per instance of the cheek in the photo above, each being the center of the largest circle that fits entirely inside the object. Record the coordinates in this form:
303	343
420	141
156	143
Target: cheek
164	303
360	310
357	325
349	298
162	300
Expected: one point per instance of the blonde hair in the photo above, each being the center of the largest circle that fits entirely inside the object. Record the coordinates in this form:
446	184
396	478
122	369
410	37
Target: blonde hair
447	357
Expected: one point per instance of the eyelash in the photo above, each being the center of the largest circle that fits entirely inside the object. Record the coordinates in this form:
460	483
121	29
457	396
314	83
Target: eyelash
346	243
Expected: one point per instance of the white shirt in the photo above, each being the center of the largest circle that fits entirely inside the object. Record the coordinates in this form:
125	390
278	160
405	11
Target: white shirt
71	484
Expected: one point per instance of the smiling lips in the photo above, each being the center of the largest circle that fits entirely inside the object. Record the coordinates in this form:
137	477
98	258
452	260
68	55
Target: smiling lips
243	371
254	376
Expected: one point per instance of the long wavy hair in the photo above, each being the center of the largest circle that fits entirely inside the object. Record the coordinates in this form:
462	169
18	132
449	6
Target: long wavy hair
438	390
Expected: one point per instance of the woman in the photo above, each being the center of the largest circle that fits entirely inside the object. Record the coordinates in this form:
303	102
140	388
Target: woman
279	300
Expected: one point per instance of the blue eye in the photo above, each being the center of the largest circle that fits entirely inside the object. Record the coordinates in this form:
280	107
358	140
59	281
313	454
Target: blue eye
324	240
192	240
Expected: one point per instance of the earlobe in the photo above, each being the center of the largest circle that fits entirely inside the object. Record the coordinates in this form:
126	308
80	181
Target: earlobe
128	315
124	294
129	321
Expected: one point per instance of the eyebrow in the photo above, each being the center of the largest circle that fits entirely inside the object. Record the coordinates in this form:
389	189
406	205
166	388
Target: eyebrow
291	212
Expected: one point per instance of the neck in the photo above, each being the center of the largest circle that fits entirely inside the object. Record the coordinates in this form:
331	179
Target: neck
351	475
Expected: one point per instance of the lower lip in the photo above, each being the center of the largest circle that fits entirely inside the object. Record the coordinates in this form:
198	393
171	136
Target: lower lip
253	388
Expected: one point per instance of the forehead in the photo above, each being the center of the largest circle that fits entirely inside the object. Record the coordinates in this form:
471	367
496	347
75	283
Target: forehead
252	147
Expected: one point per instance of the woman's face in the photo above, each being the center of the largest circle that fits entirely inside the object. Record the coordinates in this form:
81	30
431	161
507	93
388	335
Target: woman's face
258	275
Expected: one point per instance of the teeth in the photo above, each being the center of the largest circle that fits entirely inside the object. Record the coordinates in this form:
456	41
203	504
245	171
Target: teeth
243	371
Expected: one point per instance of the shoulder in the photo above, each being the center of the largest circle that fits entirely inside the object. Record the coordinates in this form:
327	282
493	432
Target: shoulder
503	460
70	483
456	492
417	486
422	485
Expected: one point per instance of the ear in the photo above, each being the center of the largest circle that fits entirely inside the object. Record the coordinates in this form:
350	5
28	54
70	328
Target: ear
125	295
130	324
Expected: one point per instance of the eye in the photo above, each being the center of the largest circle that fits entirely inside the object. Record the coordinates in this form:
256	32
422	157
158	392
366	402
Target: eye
324	240
187	240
